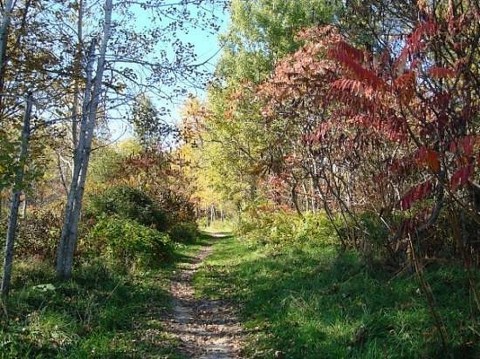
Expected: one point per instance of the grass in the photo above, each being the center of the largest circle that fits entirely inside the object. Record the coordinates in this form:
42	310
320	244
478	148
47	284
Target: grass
308	301
218	226
304	299
100	313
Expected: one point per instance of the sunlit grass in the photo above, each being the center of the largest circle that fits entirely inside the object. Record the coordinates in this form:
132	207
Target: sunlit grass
225	226
308	301
100	313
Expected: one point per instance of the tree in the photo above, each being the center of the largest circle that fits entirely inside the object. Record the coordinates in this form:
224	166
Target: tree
53	51
161	69
149	127
388	133
17	190
7	10
93	89
20	71
261	33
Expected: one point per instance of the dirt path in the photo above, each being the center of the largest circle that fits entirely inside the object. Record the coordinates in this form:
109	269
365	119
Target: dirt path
207	329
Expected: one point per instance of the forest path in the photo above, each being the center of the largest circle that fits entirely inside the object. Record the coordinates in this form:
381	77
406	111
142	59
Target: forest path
207	329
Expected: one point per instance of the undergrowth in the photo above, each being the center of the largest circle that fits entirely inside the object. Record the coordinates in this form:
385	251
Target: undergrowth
114	304
100	313
307	299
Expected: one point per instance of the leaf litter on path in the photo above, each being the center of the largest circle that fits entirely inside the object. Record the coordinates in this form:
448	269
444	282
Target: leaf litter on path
207	329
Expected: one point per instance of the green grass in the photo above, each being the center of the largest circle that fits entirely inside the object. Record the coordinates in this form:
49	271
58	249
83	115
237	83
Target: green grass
225	226
308	301
100	313
303	299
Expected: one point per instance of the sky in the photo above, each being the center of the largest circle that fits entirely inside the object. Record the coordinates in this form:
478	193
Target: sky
206	47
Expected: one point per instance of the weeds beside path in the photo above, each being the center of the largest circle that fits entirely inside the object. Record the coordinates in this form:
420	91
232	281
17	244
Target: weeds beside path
307	300
297	300
107	313
98	314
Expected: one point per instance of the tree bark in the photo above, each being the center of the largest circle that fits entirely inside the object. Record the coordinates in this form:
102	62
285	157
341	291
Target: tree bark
16	192
24	206
78	69
4	29
93	89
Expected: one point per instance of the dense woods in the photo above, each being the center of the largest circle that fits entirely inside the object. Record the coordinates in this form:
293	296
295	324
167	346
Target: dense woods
363	112
65	77
377	128
345	125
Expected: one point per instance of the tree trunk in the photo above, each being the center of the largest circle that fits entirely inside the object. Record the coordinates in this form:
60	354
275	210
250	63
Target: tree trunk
294	198
24	206
212	213
77	69
93	89
4	29
16	192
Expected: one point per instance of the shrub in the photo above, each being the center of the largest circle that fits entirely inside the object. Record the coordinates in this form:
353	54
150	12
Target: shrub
128	243
282	227
184	232
179	209
129	203
315	226
38	234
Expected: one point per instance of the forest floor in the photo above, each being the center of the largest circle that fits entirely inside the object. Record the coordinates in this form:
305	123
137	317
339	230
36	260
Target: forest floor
104	313
308	300
298	300
205	328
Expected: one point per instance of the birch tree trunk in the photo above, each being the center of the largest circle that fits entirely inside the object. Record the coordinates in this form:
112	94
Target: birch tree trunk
4	28
77	69
16	192
93	89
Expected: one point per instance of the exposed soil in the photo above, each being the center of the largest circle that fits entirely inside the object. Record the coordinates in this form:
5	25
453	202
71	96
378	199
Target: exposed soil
207	329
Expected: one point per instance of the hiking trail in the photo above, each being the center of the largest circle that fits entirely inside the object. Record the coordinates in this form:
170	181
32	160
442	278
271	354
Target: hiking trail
207	329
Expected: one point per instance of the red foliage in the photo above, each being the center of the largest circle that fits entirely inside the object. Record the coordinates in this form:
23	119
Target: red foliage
417	193
461	177
349	57
429	158
441	72
399	118
416	42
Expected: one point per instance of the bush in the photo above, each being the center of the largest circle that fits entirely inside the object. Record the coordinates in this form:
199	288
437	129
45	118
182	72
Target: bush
282	227
38	234
184	232
179	209
129	203
128	243
316	226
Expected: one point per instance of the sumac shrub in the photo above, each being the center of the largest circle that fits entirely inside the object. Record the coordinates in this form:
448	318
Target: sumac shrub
184	232
128	243
129	203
